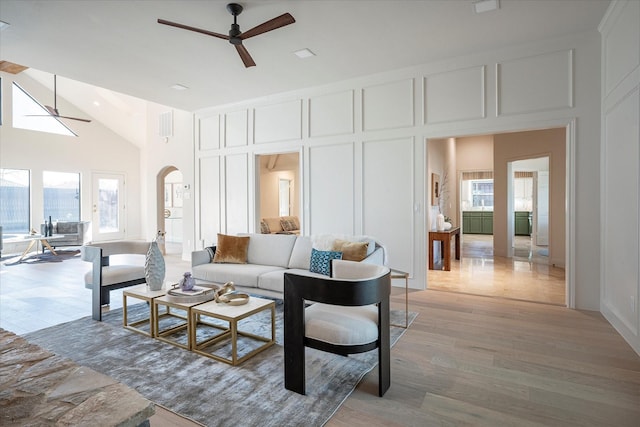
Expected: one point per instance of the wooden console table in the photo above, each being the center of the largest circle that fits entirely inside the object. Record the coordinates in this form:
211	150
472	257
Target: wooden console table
444	237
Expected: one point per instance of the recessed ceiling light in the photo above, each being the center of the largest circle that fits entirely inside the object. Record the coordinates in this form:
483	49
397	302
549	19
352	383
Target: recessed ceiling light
3	25
178	86
304	53
486	5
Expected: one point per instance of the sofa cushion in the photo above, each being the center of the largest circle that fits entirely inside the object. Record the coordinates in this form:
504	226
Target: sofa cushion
231	249
301	254
241	274
351	251
67	228
274	280
264	228
321	261
270	249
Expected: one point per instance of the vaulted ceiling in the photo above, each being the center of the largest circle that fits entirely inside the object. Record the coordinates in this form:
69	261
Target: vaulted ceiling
118	44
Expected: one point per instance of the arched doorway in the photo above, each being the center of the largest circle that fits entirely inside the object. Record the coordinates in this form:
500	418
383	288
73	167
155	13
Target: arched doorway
169	208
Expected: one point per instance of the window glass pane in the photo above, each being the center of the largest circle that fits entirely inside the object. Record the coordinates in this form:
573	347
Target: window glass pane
482	193
108	205
61	196
14	201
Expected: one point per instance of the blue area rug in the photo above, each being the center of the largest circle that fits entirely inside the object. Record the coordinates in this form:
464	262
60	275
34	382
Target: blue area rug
207	391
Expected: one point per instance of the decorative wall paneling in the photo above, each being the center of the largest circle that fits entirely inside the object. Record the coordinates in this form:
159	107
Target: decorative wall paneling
388	106
620	220
535	83
236	128
331	114
210	200
236	195
455	95
333	125
388	181
210	133
620	170
278	122
331	193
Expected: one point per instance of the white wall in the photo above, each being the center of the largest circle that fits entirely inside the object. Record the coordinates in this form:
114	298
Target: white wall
363	145
620	180
96	149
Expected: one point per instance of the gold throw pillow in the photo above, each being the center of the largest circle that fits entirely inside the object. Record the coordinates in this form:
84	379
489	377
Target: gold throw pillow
351	251
231	249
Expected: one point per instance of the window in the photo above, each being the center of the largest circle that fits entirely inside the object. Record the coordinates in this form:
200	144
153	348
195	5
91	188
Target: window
30	114
482	193
61	191
15	188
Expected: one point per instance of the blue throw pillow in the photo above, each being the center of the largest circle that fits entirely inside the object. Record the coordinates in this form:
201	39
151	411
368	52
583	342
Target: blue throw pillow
321	261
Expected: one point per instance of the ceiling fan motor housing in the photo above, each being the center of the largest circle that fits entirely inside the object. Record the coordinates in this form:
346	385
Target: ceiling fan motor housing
234	34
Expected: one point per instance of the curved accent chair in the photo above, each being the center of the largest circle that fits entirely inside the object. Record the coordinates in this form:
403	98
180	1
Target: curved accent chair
344	314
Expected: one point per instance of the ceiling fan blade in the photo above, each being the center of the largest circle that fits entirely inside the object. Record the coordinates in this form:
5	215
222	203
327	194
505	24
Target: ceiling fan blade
277	22
197	30
74	118
244	54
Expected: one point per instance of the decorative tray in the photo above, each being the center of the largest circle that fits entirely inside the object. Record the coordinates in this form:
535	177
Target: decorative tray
197	294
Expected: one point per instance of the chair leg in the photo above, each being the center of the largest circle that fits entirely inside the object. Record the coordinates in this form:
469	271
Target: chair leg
294	360
384	349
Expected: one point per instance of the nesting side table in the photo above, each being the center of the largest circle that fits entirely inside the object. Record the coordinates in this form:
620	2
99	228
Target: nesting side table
141	292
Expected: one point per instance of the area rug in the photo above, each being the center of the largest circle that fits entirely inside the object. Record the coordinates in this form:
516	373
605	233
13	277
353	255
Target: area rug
207	391
39	258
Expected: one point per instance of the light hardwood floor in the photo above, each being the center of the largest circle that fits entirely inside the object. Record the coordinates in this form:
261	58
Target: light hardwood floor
465	360
527	276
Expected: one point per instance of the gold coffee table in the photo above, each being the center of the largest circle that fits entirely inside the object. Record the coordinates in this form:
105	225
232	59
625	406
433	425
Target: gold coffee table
141	292
166	333
230	314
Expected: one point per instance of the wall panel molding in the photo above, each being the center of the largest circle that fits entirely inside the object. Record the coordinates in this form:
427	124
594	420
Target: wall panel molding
388	106
236	128
535	83
209	132
331	114
278	122
455	95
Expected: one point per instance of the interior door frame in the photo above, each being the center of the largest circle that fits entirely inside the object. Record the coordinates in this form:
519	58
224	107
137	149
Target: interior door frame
95	217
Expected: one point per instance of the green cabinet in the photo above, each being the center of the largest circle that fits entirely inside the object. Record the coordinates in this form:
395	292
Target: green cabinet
522	223
477	222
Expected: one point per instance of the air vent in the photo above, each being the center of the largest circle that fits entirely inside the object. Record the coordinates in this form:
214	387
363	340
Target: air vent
165	127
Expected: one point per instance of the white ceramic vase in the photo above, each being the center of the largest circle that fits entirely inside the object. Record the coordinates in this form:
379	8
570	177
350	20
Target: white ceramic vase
154	267
440	222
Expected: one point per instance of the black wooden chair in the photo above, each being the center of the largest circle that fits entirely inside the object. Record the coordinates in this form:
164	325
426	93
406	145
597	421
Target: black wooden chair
349	314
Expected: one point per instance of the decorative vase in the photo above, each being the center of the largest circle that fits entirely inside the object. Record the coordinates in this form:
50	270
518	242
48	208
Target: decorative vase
440	222
154	268
187	283
447	226
50	228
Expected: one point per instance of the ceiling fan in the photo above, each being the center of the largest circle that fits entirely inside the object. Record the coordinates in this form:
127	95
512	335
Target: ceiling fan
54	111
236	36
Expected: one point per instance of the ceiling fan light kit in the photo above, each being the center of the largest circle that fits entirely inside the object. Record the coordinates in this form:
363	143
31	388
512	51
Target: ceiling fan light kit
236	36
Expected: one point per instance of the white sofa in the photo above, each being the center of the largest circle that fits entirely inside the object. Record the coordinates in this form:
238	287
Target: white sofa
269	256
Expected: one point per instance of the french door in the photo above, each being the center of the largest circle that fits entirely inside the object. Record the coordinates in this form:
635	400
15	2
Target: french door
108	204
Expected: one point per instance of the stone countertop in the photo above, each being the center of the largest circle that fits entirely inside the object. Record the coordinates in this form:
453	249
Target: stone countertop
38	387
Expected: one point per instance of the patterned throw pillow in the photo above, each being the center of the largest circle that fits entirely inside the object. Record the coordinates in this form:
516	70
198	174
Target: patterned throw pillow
264	228
321	261
289	224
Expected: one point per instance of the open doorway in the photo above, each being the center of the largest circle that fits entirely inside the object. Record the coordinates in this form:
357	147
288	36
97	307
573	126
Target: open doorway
170	206
529	209
278	204
489	264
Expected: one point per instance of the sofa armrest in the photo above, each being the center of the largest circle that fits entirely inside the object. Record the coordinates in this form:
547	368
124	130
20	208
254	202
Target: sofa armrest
203	256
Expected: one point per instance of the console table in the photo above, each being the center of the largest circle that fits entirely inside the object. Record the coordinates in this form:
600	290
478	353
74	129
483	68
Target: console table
444	237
